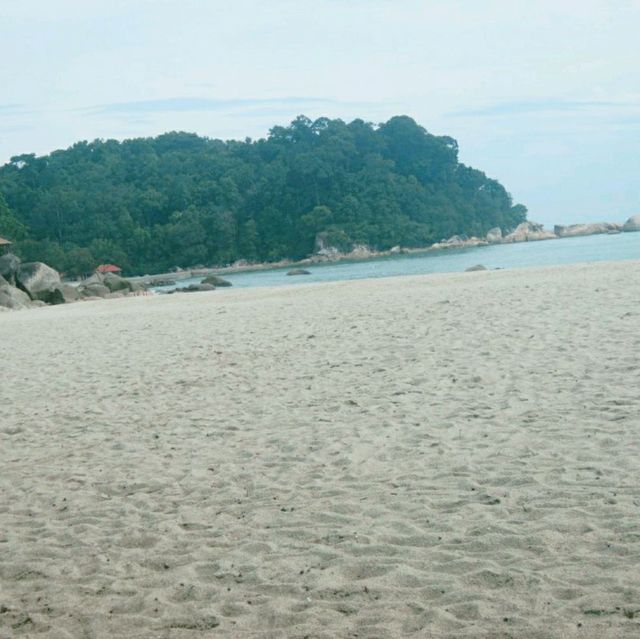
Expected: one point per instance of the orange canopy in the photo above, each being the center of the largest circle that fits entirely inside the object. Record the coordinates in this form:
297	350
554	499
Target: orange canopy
108	268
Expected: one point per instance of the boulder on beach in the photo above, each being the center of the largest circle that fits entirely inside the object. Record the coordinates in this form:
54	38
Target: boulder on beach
632	224
298	271
116	283
9	265
216	280
70	293
13	298
40	282
477	267
93	289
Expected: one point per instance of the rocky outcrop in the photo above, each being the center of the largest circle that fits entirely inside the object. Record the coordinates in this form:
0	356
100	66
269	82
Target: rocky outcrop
298	271
494	236
458	241
9	265
529	232
12	297
40	282
632	224
216	280
107	286
576	230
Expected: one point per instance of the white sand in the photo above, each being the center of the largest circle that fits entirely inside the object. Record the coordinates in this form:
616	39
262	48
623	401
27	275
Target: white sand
443	456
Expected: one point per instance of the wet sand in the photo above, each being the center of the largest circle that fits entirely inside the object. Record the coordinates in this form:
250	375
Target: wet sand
449	456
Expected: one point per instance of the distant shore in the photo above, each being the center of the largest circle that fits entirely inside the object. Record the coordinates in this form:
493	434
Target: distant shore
526	232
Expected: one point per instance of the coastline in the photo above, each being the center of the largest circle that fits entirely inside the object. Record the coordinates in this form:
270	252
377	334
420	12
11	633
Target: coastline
526	232
442	455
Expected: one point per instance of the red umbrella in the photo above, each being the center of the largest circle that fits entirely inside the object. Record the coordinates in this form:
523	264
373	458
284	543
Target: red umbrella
108	268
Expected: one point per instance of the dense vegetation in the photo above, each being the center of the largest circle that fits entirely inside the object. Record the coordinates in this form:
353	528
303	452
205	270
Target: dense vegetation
180	199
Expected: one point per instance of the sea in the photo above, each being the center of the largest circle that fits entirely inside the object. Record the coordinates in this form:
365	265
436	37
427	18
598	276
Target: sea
592	248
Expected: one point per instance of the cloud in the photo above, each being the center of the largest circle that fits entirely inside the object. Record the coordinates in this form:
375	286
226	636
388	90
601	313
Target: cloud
173	105
12	109
536	106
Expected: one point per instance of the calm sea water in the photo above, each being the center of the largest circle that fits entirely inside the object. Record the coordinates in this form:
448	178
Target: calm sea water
593	248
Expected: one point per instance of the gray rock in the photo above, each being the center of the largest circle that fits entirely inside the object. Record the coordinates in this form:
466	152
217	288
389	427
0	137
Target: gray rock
96	278
93	289
477	267
576	230
40	282
12	297
494	236
529	232
298	271
194	288
632	224
458	241
70	293
9	265
216	280
116	283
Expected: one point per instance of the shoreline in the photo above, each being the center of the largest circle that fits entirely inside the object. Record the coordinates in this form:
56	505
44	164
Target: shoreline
360	254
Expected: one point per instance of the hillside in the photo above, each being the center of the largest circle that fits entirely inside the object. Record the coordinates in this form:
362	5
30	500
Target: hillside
180	200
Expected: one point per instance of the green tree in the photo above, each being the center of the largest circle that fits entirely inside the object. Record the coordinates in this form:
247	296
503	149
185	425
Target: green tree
11	228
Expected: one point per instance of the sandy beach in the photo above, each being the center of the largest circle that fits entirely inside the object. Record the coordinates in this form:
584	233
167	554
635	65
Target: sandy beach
439	456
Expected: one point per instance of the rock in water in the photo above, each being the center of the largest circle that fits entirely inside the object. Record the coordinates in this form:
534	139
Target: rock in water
40	282
298	271
529	232
216	280
576	230
477	267
632	224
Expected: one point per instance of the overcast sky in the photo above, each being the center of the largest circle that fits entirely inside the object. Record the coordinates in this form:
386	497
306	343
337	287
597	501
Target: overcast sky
544	95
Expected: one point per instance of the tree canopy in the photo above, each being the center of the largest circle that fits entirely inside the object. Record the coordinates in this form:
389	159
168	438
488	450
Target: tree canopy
150	204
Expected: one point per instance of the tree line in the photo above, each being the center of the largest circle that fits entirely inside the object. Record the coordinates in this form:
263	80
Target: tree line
151	204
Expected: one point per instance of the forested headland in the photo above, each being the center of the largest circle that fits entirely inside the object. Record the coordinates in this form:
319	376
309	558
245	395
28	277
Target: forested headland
151	204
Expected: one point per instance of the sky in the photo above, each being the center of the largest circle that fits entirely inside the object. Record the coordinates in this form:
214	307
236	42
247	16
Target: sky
543	96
